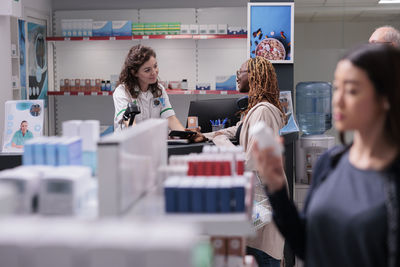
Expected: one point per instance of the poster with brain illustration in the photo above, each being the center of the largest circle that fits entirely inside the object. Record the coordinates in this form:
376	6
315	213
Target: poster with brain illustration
23	121
270	31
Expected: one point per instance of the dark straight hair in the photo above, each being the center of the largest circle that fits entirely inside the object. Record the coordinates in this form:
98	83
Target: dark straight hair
381	62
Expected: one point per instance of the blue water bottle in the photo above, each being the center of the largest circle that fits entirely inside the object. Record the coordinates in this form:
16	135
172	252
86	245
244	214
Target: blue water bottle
313	107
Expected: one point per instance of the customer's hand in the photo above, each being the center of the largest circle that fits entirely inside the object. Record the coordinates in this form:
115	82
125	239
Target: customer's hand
199	137
269	167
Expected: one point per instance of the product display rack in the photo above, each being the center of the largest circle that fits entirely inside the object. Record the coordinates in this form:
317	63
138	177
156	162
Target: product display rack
169	91
145	37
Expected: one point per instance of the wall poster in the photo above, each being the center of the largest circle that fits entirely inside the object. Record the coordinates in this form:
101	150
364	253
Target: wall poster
37	61
22	58
270	31
23	121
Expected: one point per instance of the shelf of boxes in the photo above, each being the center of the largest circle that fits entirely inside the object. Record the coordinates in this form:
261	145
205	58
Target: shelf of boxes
145	37
170	92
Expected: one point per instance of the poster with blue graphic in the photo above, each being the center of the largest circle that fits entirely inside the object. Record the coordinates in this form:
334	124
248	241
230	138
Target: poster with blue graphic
270	31
23	121
22	58
37	61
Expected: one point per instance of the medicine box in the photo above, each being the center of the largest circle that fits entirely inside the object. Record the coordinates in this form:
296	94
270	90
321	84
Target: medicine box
149	28
121	27
222	28
102	28
138	28
203	86
174	27
225	83
185	29
212	28
203	29
162	28
194	29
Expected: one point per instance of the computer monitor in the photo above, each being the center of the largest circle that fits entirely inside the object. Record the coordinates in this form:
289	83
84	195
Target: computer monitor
127	165
214	109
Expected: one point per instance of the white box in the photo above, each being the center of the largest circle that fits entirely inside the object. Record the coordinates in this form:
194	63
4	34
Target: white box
212	28
14	81
222	29
13	50
185	29
194	29
203	29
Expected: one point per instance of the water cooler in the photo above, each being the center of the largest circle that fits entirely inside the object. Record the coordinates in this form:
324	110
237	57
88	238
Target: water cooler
314	115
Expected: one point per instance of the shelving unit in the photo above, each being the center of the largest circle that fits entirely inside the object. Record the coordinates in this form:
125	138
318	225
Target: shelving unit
146	37
199	58
169	91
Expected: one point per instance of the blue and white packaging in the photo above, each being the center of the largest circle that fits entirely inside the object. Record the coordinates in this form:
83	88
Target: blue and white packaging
237	30
212	195
27	157
203	86
121	27
198	195
102	28
51	157
224	193
70	151
39	151
184	195
171	194
225	83
239	184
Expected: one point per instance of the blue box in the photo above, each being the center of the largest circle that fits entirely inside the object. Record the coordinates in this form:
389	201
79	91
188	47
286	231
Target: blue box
102	28
212	195
69	151
51	152
122	28
225	83
39	152
27	157
184	198
171	194
203	86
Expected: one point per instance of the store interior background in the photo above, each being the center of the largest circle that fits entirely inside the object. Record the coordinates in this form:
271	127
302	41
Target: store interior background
324	29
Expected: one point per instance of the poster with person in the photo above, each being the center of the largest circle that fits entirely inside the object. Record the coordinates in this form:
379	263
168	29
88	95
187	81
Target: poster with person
23	121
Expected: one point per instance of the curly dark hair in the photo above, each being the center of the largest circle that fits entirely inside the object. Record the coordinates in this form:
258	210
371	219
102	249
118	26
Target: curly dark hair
263	83
137	56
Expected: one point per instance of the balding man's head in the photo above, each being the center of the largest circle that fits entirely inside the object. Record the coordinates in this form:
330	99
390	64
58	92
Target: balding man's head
386	34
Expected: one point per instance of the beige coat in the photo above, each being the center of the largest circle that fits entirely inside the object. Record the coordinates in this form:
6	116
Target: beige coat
268	238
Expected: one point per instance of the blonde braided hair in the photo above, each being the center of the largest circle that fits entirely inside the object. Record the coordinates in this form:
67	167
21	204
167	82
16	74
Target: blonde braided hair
262	83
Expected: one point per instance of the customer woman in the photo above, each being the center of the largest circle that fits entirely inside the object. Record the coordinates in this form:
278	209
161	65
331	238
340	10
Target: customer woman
351	215
258	75
138	83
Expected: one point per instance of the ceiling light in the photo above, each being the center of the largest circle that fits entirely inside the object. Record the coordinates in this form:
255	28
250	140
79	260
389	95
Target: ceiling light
389	2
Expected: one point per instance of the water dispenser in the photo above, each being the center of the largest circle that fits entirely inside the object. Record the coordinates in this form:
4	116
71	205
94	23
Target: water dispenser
314	115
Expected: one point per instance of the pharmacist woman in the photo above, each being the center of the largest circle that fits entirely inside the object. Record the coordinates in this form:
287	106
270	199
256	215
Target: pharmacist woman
138	83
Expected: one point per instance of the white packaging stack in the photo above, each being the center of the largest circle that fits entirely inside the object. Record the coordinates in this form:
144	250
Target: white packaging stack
66	243
26	184
89	131
8	197
64	190
71	128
